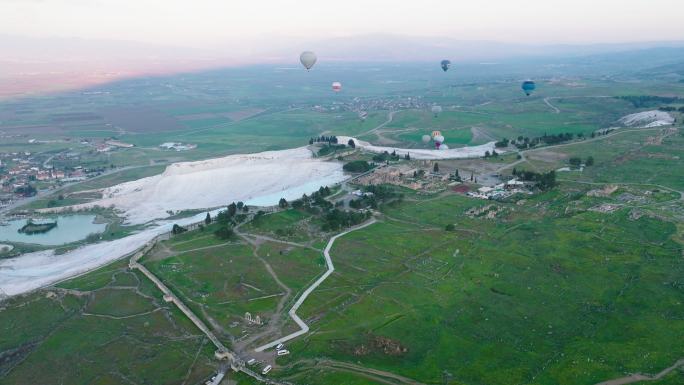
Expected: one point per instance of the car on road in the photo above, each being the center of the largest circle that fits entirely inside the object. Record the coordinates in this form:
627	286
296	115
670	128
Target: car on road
280	346
283	352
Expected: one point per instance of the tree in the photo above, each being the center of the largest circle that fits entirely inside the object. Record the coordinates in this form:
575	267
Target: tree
502	143
590	161
357	166
486	154
450	227
240	205
232	209
351	143
177	229
575	161
224	232
407	156
282	203
436	167
207	219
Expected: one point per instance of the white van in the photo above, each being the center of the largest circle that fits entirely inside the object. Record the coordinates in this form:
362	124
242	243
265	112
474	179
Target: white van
252	361
280	347
283	352
266	369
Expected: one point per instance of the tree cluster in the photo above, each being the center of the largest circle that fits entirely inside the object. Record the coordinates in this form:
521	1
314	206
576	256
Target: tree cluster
602	132
502	143
329	149
644	101
385	156
545	181
316	202
227	218
26	190
323	139
357	166
336	219
526	142
575	161
176	229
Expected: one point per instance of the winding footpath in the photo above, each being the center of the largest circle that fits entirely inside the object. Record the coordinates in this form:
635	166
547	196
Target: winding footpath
390	117
637	377
555	109
303	327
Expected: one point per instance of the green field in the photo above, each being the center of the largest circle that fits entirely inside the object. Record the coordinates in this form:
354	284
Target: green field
110	327
530	298
560	287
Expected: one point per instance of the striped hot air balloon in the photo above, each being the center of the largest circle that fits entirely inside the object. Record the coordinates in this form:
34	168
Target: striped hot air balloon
337	86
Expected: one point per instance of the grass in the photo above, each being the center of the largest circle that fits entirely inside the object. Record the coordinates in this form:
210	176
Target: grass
546	293
291	225
223	282
625	158
100	334
550	300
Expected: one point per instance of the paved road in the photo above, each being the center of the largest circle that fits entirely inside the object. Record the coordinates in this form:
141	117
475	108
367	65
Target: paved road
303	327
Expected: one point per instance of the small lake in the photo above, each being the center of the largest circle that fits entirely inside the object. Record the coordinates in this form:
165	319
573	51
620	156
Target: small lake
70	228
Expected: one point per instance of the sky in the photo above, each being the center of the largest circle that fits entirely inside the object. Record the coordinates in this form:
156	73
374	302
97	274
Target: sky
210	23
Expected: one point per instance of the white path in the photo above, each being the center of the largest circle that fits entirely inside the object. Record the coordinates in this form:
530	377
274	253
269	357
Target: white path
303	327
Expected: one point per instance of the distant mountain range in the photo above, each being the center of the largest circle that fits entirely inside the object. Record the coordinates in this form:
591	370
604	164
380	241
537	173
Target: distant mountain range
400	48
30	64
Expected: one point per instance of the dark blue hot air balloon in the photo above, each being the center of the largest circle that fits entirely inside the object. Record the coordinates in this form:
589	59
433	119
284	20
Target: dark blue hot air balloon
528	86
445	64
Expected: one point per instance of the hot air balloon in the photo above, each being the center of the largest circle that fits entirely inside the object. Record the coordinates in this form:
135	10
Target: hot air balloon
436	133
308	59
445	64
443	147
528	86
336	86
436	110
426	138
438	139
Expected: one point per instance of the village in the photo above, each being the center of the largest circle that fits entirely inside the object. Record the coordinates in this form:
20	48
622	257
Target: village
24	174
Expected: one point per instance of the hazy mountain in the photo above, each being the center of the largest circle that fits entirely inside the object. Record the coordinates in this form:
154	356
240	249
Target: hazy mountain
404	48
32	65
